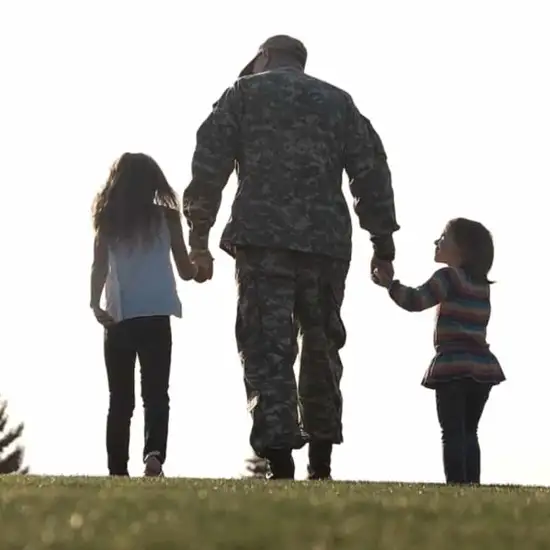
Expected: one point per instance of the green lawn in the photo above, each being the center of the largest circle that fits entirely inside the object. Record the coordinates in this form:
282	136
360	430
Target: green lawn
84	513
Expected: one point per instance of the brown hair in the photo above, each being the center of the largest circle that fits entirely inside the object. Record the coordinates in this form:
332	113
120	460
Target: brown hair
128	204
475	243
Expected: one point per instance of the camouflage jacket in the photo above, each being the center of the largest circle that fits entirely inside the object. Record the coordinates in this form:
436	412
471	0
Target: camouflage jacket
290	137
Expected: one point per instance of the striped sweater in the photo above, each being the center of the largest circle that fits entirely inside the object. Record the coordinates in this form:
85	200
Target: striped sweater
460	336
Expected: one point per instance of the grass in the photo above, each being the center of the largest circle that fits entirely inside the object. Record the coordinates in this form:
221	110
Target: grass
97	513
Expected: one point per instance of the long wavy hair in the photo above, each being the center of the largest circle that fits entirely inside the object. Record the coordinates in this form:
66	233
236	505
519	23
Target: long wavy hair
127	207
475	243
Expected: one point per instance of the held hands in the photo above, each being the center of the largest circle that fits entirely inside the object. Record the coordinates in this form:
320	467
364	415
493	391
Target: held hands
204	262
381	272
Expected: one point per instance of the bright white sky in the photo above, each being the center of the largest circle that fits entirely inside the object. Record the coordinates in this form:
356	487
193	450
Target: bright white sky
460	98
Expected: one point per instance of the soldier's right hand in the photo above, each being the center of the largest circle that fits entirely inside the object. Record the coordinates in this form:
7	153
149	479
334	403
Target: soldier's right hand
205	264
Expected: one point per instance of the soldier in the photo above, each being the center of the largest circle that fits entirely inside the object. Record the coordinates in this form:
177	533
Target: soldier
290	137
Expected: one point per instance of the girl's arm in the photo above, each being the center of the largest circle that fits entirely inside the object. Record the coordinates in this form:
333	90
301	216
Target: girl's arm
187	270
431	293
100	268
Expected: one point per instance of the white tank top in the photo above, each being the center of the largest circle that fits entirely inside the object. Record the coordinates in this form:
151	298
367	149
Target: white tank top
140	281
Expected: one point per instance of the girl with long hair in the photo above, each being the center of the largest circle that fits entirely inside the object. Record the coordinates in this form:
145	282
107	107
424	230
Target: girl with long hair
137	226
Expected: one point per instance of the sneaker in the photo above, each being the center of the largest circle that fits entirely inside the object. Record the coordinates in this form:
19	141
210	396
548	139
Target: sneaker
153	466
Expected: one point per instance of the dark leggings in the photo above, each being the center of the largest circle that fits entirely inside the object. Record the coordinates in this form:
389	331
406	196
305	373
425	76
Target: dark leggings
149	339
460	405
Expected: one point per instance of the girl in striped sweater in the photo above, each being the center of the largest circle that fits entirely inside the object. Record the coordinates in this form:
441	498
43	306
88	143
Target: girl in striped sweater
464	370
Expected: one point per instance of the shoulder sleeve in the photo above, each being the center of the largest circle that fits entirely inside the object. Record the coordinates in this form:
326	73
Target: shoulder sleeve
212	164
370	179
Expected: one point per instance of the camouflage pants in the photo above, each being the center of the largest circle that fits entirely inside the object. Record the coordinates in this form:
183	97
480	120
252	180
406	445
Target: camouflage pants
284	295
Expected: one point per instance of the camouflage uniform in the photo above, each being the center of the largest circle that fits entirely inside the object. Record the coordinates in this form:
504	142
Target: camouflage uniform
290	136
283	294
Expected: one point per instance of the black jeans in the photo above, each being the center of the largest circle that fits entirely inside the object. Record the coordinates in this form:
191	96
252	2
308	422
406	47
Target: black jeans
460	405
149	339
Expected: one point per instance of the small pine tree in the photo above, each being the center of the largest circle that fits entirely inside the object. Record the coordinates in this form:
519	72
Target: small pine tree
257	467
11	462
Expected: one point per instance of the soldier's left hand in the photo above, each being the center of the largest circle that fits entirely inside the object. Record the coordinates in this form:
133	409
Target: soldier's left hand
381	272
382	278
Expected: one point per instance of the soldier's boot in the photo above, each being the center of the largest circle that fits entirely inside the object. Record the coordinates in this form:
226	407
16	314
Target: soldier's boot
281	464
320	454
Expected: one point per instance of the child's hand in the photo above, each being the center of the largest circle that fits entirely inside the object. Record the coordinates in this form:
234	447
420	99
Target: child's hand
103	317
189	272
203	274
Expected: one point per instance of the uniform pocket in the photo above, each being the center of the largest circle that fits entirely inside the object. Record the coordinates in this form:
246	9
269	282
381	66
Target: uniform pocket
248	324
335	328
